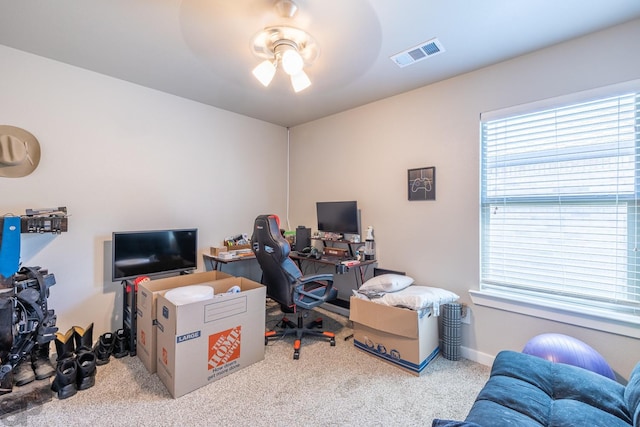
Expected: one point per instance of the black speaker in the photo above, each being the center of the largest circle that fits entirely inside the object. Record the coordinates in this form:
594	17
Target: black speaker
303	237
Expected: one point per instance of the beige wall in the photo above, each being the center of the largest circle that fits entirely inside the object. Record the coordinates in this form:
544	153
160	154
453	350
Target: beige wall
364	154
123	157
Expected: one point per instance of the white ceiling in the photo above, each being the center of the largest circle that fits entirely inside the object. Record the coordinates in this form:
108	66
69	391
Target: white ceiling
201	49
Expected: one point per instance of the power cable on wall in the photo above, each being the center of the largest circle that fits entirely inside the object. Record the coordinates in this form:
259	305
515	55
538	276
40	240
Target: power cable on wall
288	171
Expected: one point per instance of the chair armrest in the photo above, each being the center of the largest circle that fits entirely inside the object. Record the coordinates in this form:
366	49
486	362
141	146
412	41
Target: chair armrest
326	280
316	278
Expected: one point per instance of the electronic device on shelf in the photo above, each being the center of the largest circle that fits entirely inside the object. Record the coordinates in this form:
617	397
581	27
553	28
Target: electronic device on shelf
338	217
303	237
153	252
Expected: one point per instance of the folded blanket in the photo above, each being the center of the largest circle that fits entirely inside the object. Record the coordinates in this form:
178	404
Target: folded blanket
414	297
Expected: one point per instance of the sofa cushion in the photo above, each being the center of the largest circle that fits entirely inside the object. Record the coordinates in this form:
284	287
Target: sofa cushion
525	390
451	423
632	395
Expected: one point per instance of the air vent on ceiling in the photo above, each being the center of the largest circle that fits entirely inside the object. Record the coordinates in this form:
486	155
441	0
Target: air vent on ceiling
418	53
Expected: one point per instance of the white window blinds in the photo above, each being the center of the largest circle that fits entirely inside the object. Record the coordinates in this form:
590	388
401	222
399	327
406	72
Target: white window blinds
559	195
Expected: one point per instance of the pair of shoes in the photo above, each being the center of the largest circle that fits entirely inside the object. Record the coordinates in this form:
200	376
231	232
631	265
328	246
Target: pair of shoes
109	344
75	341
76	365
34	366
75	373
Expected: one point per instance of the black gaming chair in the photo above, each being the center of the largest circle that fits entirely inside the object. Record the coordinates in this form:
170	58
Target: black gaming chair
286	285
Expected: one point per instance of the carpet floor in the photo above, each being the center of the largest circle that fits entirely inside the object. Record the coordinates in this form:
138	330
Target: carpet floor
328	386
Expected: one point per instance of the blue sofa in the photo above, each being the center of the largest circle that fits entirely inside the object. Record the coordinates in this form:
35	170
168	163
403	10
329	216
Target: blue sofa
525	390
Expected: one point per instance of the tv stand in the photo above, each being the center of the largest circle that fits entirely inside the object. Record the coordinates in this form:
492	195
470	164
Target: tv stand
129	307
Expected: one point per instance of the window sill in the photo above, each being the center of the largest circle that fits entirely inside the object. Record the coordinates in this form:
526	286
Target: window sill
620	324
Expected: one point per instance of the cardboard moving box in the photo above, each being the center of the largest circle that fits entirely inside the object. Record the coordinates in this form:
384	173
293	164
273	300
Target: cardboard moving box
396	335
201	342
146	310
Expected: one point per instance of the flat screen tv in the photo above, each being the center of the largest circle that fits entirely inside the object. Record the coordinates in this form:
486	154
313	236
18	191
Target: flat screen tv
338	217
152	253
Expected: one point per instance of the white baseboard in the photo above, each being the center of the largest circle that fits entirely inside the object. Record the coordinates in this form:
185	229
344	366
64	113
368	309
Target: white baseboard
476	356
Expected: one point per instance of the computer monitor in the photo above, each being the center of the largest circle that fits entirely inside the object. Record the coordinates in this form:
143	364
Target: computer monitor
338	217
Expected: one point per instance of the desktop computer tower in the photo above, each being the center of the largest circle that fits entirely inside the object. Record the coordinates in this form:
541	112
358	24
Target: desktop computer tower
303	237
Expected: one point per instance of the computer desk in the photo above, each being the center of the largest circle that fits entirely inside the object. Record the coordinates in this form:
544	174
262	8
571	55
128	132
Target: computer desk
337	263
215	263
339	305
212	263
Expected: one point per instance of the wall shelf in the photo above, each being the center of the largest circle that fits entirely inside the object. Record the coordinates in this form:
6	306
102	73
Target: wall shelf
40	224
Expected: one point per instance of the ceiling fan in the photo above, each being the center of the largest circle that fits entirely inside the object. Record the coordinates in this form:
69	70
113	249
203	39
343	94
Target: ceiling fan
231	38
289	47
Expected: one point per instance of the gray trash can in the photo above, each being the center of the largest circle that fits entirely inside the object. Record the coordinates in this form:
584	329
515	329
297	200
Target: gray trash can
451	337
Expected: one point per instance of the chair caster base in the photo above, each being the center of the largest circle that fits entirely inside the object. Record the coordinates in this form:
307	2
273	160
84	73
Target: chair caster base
299	331
296	349
315	324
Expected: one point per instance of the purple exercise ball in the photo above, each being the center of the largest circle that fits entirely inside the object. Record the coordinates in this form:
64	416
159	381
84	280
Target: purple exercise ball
560	348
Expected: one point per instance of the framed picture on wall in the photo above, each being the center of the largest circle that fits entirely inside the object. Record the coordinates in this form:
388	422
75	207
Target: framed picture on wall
422	183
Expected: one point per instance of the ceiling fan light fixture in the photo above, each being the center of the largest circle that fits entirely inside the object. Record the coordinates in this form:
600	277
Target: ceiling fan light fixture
289	48
292	62
265	71
300	81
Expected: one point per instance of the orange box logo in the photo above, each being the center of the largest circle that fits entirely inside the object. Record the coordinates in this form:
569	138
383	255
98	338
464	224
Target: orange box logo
165	358
224	347
143	338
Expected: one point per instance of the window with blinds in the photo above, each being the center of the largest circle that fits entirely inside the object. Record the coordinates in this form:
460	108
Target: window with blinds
560	210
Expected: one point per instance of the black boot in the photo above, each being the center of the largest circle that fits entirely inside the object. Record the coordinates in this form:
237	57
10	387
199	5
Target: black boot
23	372
86	364
104	348
6	324
83	338
64	345
66	375
6	378
41	362
121	346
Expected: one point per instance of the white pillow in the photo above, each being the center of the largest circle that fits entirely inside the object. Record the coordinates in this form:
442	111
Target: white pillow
418	298
387	283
